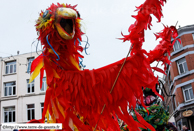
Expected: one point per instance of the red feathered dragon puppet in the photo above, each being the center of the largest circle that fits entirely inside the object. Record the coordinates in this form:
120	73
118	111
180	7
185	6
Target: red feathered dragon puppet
96	95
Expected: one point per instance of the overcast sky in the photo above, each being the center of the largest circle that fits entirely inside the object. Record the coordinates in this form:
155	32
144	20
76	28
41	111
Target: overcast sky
103	22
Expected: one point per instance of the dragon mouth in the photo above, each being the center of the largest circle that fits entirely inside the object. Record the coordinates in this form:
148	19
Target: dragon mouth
67	25
65	22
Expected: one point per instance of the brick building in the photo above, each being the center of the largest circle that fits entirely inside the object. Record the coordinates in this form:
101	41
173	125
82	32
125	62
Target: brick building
179	81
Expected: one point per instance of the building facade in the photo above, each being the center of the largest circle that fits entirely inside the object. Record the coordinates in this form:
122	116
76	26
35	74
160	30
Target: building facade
20	101
179	81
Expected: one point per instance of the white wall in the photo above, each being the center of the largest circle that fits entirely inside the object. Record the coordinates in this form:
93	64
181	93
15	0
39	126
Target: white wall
22	98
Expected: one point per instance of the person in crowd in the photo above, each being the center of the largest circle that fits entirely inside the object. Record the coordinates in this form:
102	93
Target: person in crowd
184	128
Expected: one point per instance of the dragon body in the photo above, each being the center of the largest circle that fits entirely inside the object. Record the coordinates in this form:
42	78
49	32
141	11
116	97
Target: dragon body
72	92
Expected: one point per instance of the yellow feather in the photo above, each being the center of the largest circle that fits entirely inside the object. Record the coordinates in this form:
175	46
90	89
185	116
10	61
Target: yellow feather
74	62
55	74
63	5
51	51
36	71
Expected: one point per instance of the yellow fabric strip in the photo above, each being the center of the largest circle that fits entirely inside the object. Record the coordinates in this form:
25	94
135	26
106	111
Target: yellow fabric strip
36	71
55	74
74	62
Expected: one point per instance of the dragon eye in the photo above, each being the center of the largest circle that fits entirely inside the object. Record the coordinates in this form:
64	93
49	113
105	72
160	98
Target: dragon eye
45	13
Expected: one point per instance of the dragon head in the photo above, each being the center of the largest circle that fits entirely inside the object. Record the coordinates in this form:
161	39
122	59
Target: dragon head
59	32
157	116
64	18
65	22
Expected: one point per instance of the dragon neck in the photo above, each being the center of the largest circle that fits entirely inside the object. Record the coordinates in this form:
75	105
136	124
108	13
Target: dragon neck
62	53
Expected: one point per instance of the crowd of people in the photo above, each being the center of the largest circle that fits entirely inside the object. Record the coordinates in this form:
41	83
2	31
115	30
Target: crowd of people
184	128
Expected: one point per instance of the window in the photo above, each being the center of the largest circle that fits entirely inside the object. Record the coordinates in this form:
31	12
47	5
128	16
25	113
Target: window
44	85
182	66
177	45
188	93
175	106
30	86
193	36
30	112
41	108
167	69
10	89
10	67
9	114
29	64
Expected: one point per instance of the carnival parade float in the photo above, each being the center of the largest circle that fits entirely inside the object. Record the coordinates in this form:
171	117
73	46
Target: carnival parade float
98	96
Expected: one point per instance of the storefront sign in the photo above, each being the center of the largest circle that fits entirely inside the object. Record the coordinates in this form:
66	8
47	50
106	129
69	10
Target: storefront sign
187	113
